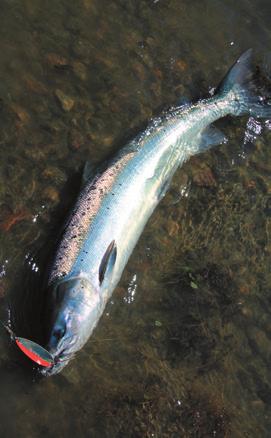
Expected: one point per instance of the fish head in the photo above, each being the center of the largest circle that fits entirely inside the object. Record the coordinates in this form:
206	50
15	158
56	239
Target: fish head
74	309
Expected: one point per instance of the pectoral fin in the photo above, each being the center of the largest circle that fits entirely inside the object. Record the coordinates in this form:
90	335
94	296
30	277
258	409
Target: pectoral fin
108	262
211	136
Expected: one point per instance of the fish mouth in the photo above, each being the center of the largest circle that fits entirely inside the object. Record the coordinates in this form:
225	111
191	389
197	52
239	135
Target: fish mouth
61	357
60	361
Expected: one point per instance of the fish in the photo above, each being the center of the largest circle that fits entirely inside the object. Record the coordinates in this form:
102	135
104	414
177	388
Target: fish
115	204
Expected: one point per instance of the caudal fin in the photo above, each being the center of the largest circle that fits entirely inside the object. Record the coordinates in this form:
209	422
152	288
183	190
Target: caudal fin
241	85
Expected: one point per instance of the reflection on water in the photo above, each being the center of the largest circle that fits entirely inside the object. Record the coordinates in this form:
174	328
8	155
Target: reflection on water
184	347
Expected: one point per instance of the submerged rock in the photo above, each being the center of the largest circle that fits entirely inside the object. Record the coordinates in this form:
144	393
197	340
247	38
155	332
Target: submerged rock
55	174
34	85
66	102
203	176
51	194
75	139
22	115
180	65
57	60
80	70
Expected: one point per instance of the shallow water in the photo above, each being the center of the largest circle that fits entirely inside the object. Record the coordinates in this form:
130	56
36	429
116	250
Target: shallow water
184	347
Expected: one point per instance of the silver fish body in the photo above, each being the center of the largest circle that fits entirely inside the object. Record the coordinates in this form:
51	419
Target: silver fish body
115	205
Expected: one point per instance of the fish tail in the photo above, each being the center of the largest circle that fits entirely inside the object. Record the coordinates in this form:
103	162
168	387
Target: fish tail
242	86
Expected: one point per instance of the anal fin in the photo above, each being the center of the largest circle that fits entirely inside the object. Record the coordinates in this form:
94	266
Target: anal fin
163	190
211	136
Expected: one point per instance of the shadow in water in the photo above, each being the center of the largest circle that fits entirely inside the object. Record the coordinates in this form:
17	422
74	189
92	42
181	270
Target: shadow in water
26	309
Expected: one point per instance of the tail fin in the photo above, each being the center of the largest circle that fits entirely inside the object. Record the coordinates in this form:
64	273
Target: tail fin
241	84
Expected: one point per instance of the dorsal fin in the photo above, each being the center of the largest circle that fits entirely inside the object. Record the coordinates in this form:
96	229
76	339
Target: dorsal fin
108	261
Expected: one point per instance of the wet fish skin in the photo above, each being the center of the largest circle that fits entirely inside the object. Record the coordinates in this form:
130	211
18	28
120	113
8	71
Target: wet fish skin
114	207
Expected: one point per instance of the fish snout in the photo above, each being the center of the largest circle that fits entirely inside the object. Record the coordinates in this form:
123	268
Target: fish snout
60	361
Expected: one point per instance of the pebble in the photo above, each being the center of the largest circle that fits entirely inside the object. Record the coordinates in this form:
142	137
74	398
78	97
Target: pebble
80	70
244	289
57	60
203	176
258	404
75	140
107	141
66	102
180	65
51	194
247	312
139	71
34	86
173	228
54	174
21	113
